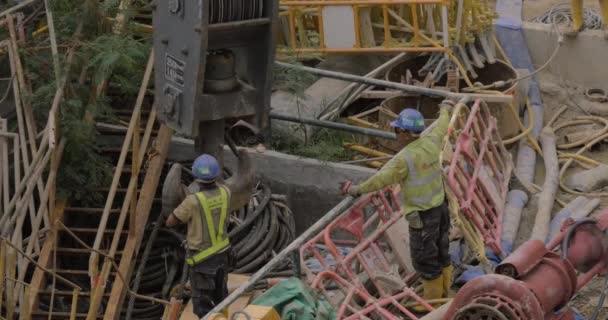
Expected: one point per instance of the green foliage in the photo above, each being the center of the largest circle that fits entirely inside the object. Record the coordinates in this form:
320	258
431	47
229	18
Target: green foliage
82	168
103	56
291	80
120	57
325	145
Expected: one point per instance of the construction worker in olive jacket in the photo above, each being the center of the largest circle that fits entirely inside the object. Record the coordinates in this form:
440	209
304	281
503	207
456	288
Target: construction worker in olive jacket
418	170
207	214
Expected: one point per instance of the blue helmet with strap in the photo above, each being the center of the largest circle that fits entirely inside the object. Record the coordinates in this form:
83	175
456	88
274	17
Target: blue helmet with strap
206	168
409	119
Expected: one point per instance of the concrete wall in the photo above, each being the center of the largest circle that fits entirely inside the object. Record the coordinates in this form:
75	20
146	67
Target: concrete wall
312	186
581	59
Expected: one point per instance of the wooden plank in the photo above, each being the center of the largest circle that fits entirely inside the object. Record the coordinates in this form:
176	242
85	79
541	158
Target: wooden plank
46	256
151	181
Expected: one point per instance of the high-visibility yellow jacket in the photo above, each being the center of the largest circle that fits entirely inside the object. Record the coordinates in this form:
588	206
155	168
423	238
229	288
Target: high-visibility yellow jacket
417	169
206	213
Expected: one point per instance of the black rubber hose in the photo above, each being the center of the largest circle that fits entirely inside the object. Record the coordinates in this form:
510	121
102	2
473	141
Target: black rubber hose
258	235
142	264
265	245
257	227
242	215
252	265
264	201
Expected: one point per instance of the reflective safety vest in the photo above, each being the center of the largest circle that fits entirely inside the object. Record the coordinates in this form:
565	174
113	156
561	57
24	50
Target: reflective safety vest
219	240
423	188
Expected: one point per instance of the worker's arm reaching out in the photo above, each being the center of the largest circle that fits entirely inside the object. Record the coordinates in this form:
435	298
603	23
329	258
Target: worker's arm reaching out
396	169
393	172
441	128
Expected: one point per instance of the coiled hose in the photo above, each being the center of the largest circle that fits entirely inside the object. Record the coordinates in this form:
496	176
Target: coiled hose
261	230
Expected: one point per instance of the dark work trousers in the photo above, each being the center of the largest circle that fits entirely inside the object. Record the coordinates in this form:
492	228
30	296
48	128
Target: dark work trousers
430	244
209	282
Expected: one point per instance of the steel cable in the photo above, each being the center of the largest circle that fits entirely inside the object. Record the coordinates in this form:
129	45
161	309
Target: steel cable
561	14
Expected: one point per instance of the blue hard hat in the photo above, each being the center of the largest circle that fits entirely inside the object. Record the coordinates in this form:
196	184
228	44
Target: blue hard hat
409	119
206	168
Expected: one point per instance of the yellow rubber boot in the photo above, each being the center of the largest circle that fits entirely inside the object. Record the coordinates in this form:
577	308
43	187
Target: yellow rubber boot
604	9
433	289
577	16
446	273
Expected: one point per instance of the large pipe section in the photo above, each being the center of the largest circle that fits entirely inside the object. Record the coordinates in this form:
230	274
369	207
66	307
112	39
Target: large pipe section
516	201
508	31
562	215
547	196
335	126
534	282
397	86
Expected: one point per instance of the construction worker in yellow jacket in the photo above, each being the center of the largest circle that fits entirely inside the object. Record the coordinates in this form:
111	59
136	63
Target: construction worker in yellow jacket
418	170
206	213
578	20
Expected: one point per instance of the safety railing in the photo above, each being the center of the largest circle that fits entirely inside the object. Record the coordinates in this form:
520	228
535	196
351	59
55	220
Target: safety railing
346	26
14	290
31	198
478	176
137	144
360	262
384	26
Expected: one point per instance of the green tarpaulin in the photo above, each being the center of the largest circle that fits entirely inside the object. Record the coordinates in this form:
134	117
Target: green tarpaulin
295	301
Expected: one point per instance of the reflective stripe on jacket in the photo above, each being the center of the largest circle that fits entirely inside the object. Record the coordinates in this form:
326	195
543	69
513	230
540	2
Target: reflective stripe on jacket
417	169
217	234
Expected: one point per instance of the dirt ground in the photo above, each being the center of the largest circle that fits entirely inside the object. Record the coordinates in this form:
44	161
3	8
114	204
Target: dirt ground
557	92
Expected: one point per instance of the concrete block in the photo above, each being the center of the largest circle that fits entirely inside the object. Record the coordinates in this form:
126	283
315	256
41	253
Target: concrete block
580	59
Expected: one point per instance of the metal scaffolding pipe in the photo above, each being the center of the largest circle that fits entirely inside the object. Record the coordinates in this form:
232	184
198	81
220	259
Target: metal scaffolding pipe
397	86
335	126
295	245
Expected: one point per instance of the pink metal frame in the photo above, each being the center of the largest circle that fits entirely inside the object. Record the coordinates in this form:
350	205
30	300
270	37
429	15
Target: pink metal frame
479	149
367	222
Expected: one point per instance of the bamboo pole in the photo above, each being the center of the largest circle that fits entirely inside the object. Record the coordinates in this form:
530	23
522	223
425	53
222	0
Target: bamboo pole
25	311
127	204
130	249
5	169
28	193
16	164
62	279
17	7
3	252
53	37
10	273
17	69
94	258
23	183
44	201
74	310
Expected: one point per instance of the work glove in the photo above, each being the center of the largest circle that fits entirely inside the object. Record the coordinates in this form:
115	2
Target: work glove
350	189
